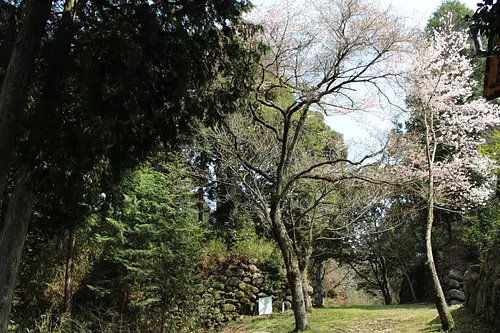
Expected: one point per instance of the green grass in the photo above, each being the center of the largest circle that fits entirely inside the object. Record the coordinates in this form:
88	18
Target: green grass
395	318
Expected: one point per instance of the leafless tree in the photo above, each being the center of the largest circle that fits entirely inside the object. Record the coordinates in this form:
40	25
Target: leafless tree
321	59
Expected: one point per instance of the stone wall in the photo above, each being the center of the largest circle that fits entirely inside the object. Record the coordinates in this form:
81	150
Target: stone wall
234	285
453	287
451	263
482	287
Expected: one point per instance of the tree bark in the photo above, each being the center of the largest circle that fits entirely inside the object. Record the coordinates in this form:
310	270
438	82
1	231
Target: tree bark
12	239
307	298
69	270
16	81
163	329
410	284
318	274
303	258
293	273
200	204
445	316
386	288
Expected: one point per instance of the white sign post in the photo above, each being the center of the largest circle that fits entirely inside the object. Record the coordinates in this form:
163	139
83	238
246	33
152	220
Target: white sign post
265	305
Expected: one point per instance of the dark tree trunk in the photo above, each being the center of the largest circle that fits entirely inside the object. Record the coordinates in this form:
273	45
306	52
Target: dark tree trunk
201	204
12	238
69	270
318	274
163	323
294	276
410	284
387	295
298	299
386	288
3	185
16	81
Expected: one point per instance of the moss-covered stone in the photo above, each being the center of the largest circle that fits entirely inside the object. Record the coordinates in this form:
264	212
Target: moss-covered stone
244	286
229	308
239	294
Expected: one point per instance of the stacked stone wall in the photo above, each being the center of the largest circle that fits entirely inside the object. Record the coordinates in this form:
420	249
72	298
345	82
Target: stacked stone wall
482	287
234	286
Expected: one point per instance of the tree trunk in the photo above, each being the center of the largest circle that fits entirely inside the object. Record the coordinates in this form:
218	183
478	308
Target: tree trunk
163	322
386	288
445	316
3	185
318	274
410	284
16	81
293	273
387	295
69	270
307	297
12	238
303	258
200	204
298	299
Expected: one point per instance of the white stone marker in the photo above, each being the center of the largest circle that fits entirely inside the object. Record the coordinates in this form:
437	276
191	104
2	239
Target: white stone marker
265	305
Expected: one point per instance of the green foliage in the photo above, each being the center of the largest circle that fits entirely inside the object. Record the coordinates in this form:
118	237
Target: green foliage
152	238
480	228
266	251
457	9
136	258
492	146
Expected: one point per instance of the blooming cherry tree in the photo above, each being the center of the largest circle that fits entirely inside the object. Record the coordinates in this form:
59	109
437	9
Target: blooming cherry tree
440	158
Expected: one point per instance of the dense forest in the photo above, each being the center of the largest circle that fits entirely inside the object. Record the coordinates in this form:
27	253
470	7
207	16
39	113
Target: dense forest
165	164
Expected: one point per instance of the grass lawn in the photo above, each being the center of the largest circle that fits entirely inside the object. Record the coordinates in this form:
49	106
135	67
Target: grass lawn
394	318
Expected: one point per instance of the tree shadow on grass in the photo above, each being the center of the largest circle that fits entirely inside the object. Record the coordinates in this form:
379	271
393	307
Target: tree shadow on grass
464	323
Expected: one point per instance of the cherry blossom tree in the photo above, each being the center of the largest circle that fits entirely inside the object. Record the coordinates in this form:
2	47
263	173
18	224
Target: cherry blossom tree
440	158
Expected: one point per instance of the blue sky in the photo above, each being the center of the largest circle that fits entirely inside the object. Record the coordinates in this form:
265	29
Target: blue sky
362	130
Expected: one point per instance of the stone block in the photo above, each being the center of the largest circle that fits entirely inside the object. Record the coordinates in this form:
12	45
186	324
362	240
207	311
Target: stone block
455	275
252	268
233	281
229	308
453	284
244	286
245	301
455	294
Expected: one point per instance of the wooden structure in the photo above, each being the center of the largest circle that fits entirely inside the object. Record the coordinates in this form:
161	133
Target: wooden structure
492	72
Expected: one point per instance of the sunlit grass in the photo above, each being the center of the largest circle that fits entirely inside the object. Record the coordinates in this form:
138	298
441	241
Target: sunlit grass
395	318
